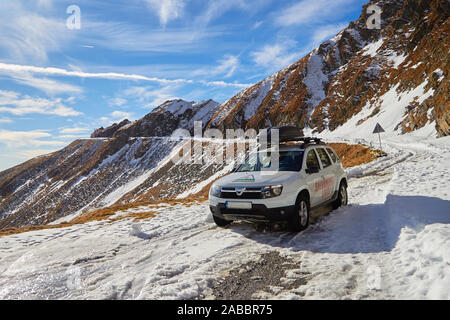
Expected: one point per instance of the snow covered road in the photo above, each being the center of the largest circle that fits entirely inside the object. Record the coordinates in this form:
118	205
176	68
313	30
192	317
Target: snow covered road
392	241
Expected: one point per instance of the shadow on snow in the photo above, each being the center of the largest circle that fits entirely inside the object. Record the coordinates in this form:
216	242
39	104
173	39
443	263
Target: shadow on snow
359	228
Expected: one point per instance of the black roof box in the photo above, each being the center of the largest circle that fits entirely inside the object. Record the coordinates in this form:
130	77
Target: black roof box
286	133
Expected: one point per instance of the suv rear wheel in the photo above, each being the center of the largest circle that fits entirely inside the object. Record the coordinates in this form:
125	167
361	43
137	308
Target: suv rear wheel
342	199
300	218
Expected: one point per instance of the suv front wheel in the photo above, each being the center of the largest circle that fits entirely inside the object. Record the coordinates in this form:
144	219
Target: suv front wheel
342	199
220	222
300	218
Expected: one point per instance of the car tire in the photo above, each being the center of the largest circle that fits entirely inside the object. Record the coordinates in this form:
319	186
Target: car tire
220	222
342	199
300	217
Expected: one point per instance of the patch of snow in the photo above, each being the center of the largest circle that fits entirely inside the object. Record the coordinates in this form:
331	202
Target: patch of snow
315	81
255	99
440	74
372	48
395	59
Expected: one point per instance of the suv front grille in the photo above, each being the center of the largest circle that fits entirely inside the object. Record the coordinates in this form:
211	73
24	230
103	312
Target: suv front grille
247	193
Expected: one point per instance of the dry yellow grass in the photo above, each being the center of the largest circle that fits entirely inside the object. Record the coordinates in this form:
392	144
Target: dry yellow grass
352	154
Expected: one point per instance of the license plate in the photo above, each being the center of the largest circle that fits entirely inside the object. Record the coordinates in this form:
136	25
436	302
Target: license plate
238	205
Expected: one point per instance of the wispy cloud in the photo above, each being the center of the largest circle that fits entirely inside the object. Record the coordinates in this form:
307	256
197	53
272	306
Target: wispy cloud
276	56
116	116
14	103
167	9
46	85
75	130
225	84
63	72
312	11
117	102
326	32
257	25
27	138
6	120
127	37
226	67
28	36
217	8
46	4
50	71
152	97
120	115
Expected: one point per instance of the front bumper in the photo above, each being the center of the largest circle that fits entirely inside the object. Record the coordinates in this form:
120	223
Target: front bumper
258	212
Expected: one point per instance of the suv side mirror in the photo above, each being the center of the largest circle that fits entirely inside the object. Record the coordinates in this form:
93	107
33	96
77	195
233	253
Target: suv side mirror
312	170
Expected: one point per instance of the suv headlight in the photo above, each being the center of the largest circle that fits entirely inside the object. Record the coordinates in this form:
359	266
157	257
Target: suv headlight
215	191
272	191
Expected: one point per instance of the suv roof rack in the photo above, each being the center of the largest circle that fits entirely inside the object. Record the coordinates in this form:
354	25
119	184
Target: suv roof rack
290	134
308	140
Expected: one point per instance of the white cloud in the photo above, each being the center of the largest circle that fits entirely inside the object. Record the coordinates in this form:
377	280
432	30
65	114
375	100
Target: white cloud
128	37
152	97
48	86
226	84
62	72
8	95
312	11
326	32
216	8
117	102
27	36
275	57
226	67
13	103
15	139
257	25
6	120
167	9
116	116
73	136
75	130
45	3
50	71
120	115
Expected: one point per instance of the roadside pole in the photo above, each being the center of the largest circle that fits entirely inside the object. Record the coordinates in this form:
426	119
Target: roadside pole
379	129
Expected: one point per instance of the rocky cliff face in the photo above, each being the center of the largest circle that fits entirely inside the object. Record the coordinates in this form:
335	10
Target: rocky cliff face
397	75
109	131
355	70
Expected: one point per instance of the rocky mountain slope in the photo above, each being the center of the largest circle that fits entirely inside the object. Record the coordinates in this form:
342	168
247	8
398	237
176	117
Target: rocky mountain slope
357	69
132	164
397	76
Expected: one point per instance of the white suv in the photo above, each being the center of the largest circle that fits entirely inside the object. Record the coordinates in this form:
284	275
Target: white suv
308	175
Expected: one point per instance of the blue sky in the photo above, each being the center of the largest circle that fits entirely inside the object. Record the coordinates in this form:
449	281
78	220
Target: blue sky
58	83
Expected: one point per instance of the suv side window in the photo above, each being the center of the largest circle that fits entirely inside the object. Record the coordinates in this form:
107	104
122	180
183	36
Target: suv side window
311	160
324	157
332	155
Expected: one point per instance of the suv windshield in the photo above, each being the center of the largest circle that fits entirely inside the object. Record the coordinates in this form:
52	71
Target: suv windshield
259	161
